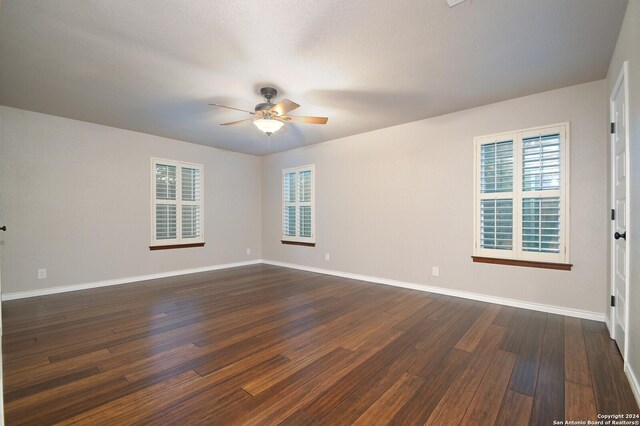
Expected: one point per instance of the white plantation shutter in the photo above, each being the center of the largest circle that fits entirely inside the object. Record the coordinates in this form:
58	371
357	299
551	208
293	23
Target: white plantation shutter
496	164
190	202
522	195
190	221
544	171
190	184
298	204
305	222
165	182
304	209
496	224
165	210
541	163
166	221
541	224
177	203
289	191
496	194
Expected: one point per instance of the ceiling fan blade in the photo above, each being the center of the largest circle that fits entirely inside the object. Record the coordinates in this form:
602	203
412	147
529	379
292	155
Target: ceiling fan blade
284	106
307	120
236	109
233	123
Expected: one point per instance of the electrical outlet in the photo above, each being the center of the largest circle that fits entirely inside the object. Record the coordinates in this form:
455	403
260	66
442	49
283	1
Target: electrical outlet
435	271
327	257
248	251
42	274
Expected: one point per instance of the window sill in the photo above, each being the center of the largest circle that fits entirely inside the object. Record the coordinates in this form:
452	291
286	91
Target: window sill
298	243
176	246
525	263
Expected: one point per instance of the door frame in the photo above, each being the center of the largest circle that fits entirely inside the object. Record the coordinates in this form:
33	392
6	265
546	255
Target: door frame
623	77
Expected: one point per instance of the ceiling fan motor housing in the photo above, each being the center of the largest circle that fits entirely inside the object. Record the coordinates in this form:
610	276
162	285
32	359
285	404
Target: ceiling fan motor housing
268	93
264	106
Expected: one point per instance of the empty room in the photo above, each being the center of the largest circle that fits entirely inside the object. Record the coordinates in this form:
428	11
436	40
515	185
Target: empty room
420	212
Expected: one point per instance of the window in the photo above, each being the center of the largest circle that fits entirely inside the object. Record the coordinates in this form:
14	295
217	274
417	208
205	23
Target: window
298	210
177	204
522	195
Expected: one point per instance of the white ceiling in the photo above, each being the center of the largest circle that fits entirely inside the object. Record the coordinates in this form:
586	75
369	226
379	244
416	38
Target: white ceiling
154	65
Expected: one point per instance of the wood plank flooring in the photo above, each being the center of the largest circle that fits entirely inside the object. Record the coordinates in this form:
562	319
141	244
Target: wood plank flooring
268	345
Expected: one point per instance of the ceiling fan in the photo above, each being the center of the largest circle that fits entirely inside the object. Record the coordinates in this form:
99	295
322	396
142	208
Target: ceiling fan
270	117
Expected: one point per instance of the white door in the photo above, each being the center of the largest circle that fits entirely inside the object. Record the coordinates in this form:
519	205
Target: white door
1	381
619	192
3	228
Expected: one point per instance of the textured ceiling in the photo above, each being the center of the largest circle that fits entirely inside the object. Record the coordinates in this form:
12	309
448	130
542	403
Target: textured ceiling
154	65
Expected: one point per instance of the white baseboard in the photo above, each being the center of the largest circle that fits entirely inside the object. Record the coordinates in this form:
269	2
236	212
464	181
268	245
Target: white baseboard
386	281
595	316
633	381
96	284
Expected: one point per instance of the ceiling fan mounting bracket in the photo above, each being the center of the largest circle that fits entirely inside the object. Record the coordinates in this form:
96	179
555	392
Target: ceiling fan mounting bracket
268	93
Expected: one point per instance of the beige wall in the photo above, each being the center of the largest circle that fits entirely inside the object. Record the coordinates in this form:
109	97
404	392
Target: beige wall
628	49
390	202
393	202
75	199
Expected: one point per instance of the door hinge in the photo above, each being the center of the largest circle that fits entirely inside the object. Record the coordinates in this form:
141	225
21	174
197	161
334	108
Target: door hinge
613	128
613	300
613	214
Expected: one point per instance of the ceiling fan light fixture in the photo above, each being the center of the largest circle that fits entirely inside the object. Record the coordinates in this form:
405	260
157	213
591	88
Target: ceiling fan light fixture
270	117
268	125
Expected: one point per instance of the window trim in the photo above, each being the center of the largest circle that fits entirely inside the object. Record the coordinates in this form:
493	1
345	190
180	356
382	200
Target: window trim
296	240
526	263
517	194
178	242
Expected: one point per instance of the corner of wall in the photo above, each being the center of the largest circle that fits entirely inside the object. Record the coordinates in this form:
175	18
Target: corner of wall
260	204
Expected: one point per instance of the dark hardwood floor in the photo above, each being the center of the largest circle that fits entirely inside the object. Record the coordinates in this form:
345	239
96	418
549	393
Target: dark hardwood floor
268	345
